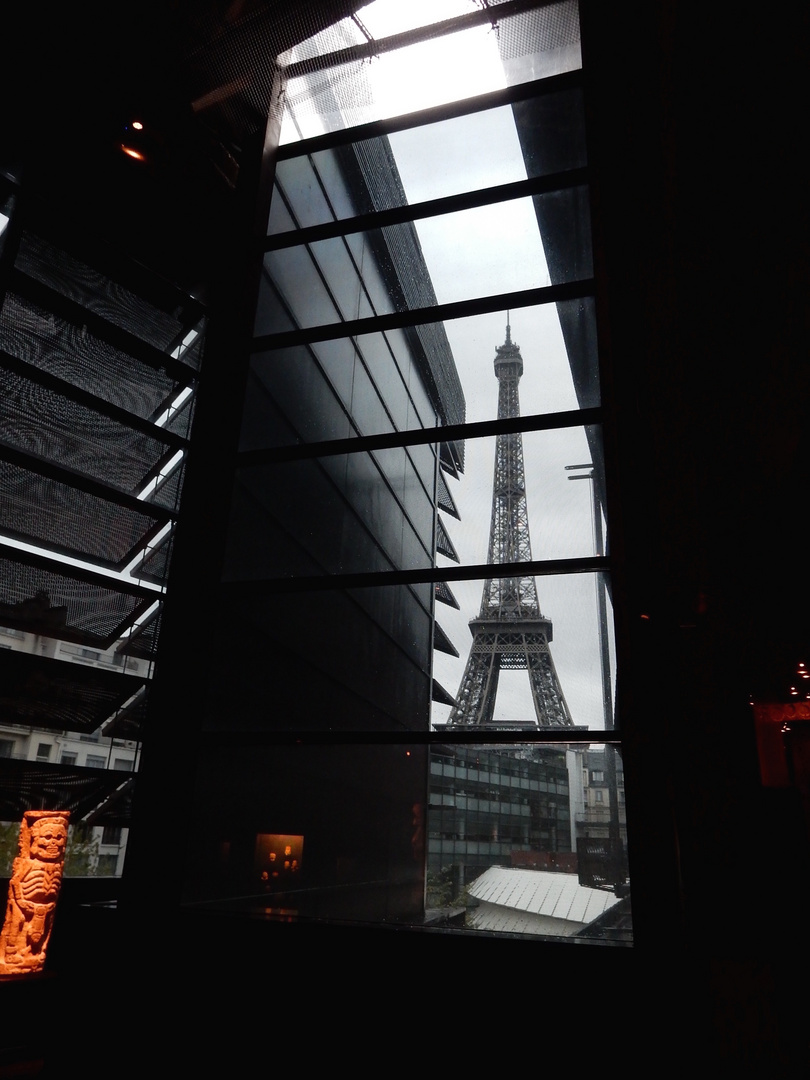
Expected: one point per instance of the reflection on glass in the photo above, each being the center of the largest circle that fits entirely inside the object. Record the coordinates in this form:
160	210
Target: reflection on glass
506	837
529	839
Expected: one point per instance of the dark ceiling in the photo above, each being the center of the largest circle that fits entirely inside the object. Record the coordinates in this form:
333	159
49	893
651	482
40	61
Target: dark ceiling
197	75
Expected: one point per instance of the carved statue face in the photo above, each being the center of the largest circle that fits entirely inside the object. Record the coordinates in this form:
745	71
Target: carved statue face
48	839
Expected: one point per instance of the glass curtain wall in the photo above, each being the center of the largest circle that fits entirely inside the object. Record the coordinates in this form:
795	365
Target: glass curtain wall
425	356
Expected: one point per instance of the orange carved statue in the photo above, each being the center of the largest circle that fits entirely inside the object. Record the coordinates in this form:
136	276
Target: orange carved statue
33	891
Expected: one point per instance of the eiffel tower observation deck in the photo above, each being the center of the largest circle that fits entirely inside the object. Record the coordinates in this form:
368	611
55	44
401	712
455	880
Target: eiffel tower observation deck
511	633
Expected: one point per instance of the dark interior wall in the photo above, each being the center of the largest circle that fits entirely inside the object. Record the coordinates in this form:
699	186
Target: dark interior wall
701	244
702	255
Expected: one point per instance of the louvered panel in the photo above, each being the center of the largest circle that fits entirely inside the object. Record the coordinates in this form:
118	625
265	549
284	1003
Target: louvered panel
440	695
41	600
192	354
143	644
39	691
155	567
443	594
180	423
39	421
75	280
62	518
71	353
128	722
444	498
444	545
168	495
84	792
442	642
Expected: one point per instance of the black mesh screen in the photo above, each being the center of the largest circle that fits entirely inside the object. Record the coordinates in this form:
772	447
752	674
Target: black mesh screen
143	644
100	796
43	601
96	292
61	517
128	722
74	355
168	495
42	692
51	426
156	566
180	422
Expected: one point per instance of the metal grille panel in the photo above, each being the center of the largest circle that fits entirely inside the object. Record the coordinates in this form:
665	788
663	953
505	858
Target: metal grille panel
74	355
73	279
34	507
50	426
42	692
45	602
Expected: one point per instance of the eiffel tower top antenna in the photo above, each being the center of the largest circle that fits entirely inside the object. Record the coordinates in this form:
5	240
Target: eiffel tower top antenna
510	632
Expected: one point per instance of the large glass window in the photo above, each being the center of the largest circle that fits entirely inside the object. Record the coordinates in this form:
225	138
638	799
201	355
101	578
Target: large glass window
421	650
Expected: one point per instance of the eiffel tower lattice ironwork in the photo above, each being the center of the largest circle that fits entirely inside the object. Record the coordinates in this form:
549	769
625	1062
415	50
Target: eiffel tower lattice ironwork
510	632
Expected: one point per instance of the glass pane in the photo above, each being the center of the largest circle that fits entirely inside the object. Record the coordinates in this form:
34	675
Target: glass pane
529	839
558	513
377	383
349	513
525	47
505	838
330	832
510	246
328	660
493	678
533	138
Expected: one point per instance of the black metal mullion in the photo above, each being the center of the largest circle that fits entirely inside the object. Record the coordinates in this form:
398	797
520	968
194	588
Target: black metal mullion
420	436
235	590
452	736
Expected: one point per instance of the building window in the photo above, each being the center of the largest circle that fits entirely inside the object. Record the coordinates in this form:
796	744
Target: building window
95	761
68	758
107	865
44	751
111	835
6	748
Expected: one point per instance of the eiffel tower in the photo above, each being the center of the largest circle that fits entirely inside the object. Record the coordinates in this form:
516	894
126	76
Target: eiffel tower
510	632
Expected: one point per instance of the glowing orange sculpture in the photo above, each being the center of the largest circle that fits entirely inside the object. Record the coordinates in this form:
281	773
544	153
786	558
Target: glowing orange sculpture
33	890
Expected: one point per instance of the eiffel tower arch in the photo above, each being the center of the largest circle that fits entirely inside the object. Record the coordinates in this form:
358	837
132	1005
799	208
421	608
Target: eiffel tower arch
510	632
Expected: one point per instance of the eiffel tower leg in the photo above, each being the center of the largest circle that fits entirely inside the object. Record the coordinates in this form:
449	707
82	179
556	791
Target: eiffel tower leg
475	701
549	704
